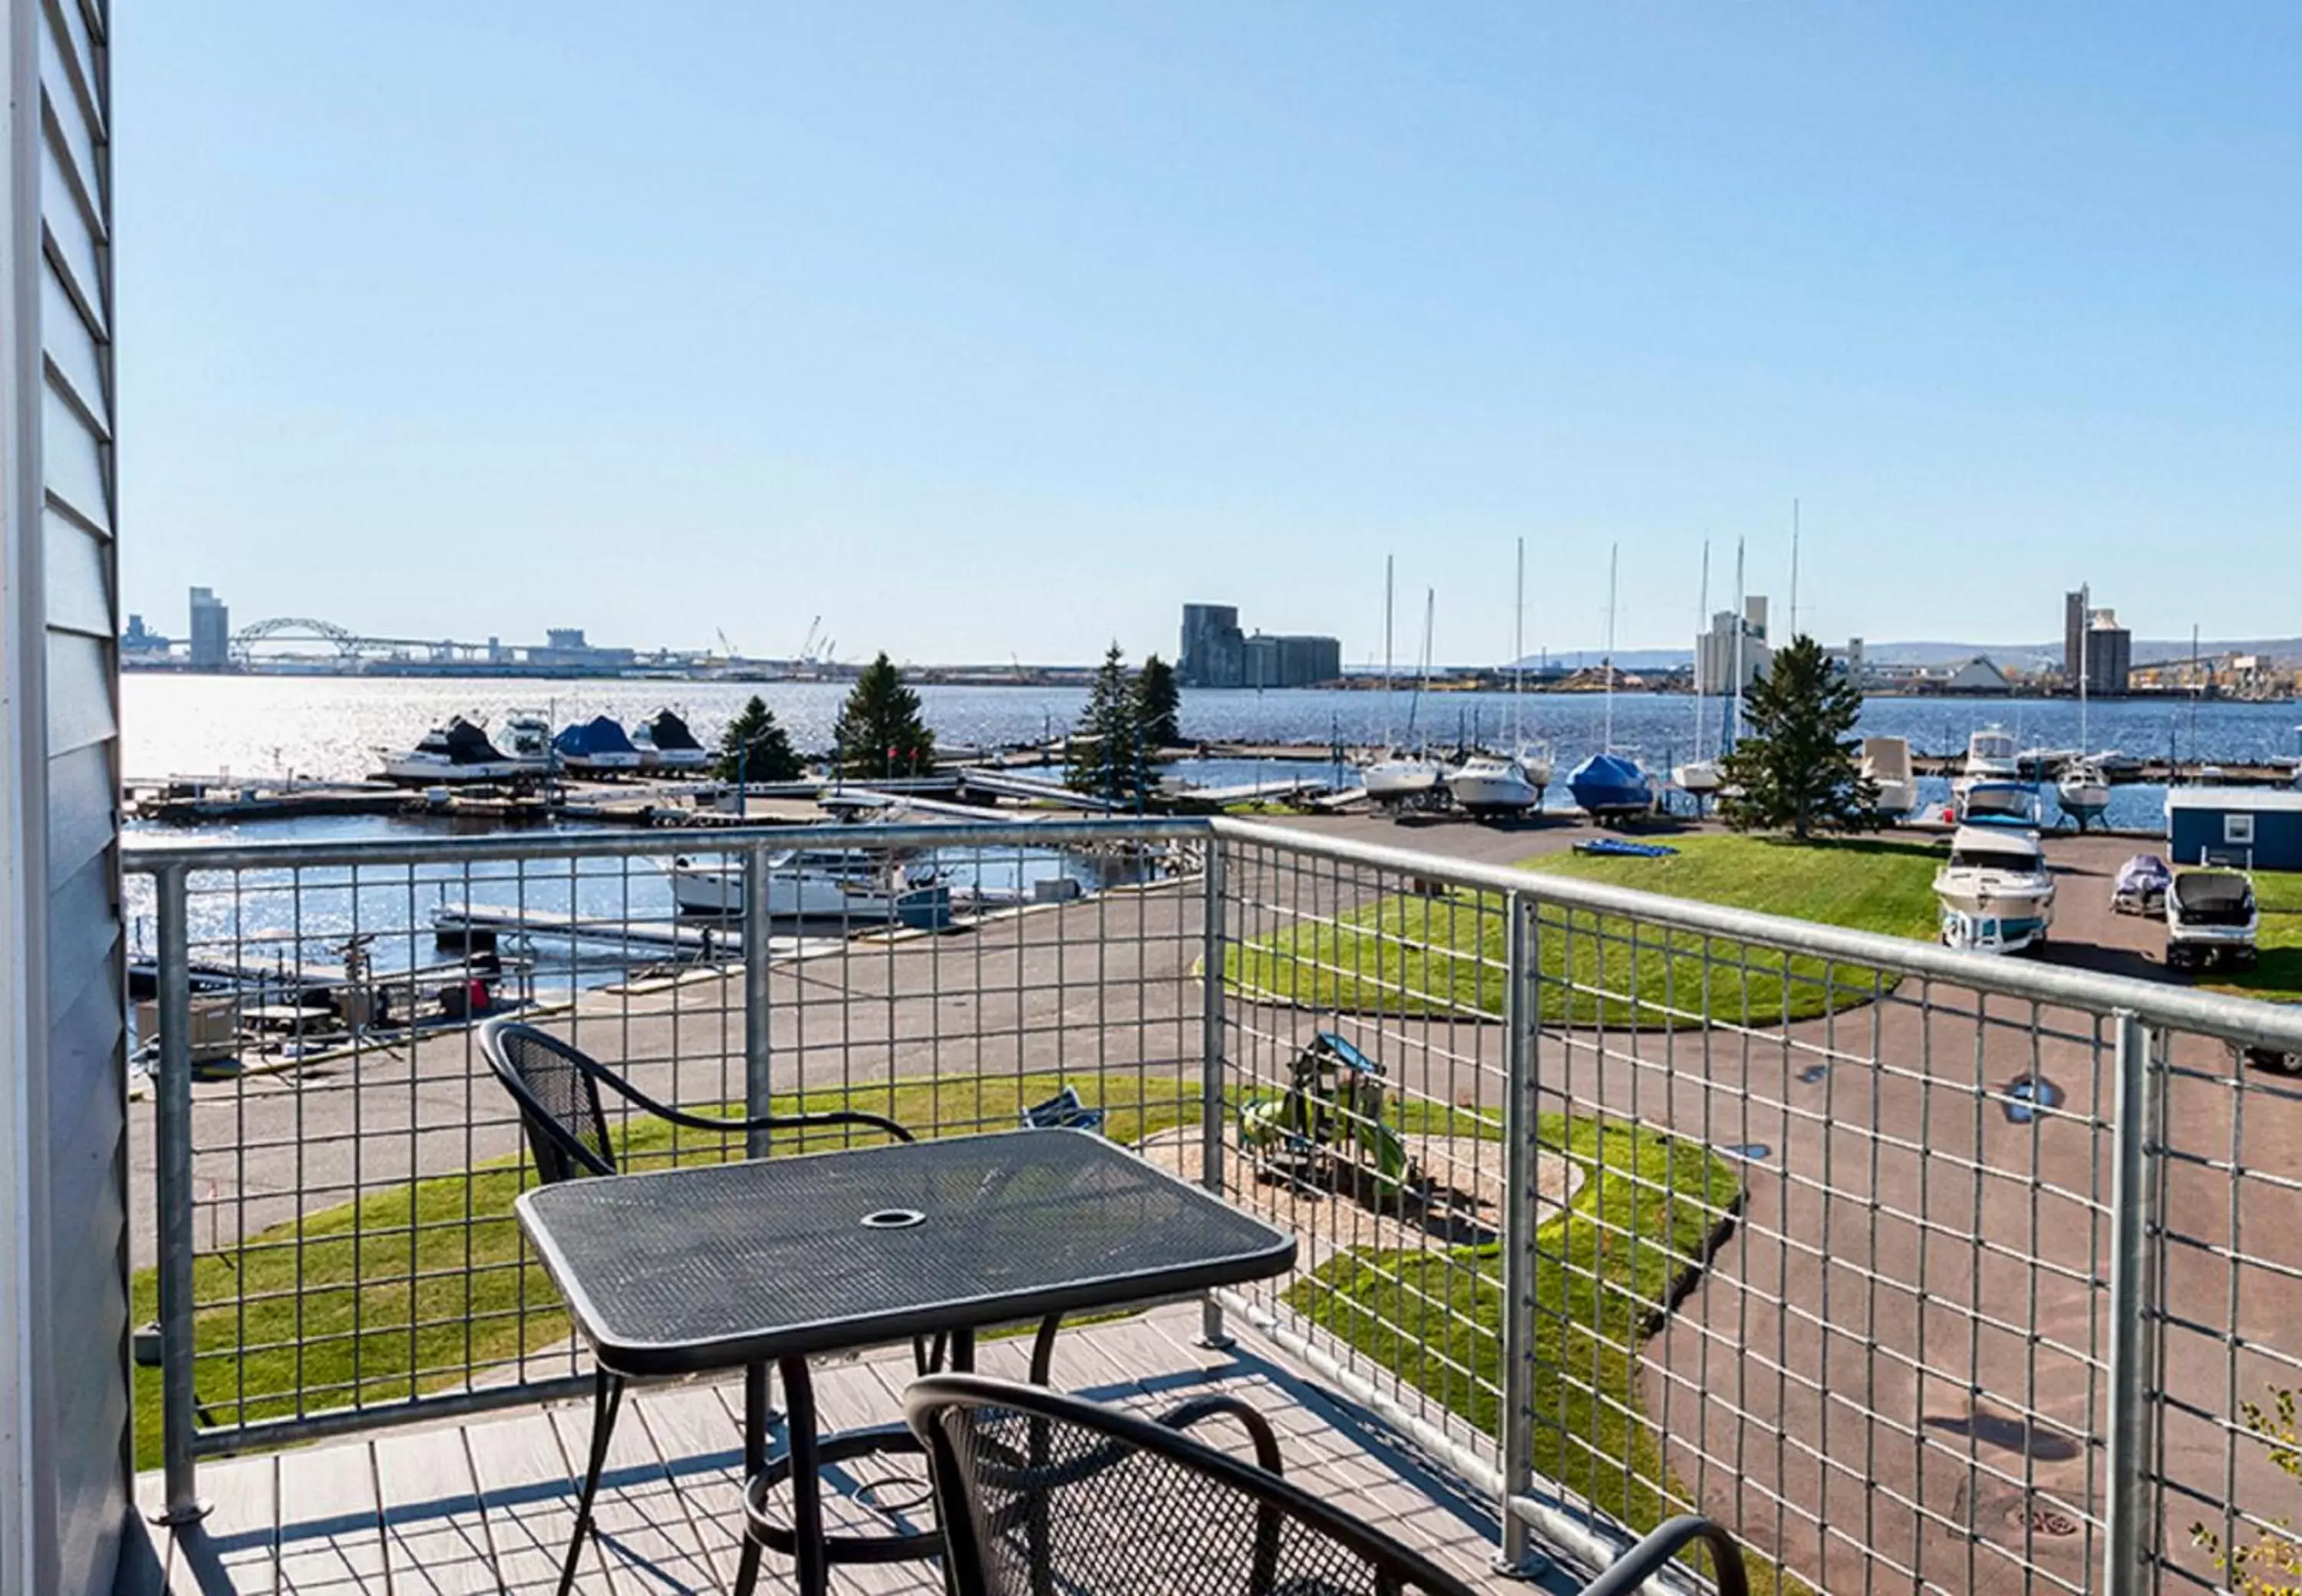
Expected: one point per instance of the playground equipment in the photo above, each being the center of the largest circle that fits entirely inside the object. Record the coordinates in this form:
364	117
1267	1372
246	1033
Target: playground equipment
1328	1130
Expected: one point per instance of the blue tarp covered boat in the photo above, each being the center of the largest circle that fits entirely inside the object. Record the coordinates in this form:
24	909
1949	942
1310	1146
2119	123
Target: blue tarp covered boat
1609	784
598	743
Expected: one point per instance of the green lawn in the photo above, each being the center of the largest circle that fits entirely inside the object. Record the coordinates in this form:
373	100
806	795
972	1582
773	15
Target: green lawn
409	1287
1410	954
2277	973
1605	1270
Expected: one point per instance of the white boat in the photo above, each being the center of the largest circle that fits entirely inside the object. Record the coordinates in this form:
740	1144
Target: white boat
1489	785
815	884
1887	767
526	736
2082	791
665	743
457	751
1996	894
1998	804
1702	777
1398	780
1990	756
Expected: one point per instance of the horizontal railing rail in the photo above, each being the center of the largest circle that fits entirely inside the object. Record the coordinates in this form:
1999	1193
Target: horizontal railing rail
1908	1267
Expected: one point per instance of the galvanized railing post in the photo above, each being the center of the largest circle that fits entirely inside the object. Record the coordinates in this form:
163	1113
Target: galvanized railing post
1522	1011
2126	1531
1212	1109
171	1131
758	1090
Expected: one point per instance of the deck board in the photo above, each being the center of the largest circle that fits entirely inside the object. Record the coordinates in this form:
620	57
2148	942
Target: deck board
488	1505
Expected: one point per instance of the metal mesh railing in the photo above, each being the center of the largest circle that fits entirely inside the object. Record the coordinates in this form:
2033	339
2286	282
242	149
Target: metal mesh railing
1877	1254
1915	1269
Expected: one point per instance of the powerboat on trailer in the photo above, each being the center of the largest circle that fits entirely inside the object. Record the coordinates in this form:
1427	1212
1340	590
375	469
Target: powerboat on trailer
596	745
1489	785
1999	803
457	751
1996	894
1611	786
526	736
1990	756
665	743
2140	885
2083	792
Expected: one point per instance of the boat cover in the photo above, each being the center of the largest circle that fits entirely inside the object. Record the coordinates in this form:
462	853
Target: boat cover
669	732
467	744
1616	847
1610	782
600	734
2205	893
2145	873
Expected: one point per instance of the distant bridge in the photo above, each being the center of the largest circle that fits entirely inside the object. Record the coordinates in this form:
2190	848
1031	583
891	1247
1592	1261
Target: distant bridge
348	644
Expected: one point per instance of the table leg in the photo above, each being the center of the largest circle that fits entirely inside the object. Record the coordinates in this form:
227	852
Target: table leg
814	1571
755	1459
962	1352
607	1398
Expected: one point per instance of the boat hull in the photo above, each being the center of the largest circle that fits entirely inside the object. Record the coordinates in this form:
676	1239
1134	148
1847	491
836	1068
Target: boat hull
1609	786
1994	914
802	895
415	770
1492	788
1393	783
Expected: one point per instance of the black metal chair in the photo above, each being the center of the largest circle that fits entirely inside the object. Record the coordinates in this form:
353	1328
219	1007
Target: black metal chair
1040	1492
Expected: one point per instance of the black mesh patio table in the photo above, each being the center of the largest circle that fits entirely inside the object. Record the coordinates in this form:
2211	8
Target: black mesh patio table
736	1265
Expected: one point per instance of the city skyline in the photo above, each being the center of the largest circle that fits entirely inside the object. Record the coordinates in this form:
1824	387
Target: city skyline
1009	332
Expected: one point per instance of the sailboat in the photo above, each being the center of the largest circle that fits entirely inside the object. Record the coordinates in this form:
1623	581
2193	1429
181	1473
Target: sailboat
1487	784
2082	790
1609	786
1399	781
1699	776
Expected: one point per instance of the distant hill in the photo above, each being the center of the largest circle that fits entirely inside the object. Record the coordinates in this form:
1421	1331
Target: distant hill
2047	655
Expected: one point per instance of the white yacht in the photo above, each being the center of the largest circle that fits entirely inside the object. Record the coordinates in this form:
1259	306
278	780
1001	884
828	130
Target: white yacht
816	883
2083	792
1887	767
1489	785
1997	803
1699	776
1997	893
526	736
457	751
1990	756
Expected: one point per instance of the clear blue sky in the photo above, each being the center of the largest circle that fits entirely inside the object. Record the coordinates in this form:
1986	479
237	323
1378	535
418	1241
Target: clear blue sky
992	329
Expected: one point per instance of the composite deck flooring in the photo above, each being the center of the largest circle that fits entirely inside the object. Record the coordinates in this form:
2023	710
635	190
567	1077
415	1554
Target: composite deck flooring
486	1504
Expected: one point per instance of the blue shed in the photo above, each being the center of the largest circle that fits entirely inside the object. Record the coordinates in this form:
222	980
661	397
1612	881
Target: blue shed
2259	827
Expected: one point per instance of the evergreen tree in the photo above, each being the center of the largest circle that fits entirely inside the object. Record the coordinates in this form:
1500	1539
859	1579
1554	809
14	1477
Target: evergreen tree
1158	705
1798	767
879	732
1106	749
754	748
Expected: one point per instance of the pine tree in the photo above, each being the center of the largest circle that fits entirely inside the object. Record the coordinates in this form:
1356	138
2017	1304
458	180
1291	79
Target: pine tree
754	748
1799	766
1106	749
879	732
1158	705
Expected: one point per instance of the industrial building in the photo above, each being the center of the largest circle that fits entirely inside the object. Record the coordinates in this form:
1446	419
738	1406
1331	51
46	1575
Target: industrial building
1215	653
2095	646
1715	650
211	642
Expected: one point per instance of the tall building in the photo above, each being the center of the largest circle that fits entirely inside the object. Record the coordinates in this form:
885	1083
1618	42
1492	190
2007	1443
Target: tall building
211	631
1215	653
1714	650
2094	643
1214	649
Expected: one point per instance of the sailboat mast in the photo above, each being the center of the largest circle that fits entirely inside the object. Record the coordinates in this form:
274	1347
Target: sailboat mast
1741	630
1422	677
1795	554
1702	625
2086	637
1390	682
1614	562
1518	652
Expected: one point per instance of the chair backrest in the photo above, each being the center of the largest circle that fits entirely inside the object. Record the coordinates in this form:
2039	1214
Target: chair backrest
559	1097
1040	1492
